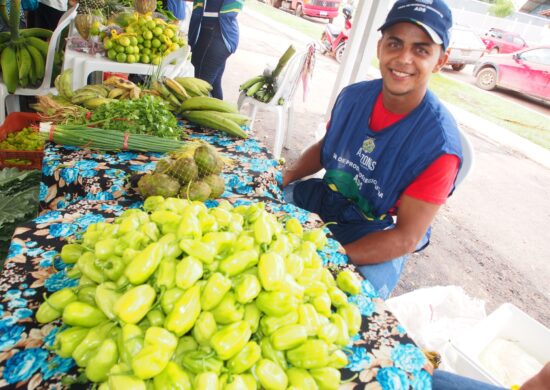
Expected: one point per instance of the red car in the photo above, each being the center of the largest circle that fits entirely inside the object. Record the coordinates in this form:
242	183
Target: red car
526	71
500	41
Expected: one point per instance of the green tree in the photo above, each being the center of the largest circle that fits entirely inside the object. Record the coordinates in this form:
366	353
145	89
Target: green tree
502	8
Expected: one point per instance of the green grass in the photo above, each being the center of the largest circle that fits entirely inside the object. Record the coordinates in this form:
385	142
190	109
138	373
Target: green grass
309	28
525	123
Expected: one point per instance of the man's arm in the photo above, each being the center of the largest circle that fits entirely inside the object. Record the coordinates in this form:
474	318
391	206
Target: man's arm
413	219
307	164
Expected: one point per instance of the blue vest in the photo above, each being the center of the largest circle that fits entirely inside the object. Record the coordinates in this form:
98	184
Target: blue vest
374	168
227	19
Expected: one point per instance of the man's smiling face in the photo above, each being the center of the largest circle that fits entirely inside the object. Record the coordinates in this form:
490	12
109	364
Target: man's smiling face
408	57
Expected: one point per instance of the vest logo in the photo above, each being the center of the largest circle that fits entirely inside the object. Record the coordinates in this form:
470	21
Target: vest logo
368	145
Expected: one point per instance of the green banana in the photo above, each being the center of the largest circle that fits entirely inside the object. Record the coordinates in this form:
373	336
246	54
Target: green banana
38	61
35	32
206	103
255	88
24	63
80	98
41	45
249	83
215	121
190	86
240	119
203	85
4	36
10	74
97	88
176	89
96	102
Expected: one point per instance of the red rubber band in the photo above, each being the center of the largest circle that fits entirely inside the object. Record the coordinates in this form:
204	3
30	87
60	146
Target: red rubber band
52	130
125	142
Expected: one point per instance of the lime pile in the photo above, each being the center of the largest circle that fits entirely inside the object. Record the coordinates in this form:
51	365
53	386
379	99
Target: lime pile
145	39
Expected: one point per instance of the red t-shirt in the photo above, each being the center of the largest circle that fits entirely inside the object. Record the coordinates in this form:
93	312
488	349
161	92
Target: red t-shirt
434	184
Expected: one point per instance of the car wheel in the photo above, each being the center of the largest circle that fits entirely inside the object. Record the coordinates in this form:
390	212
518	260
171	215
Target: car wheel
494	50
299	10
339	53
487	79
276	3
458	67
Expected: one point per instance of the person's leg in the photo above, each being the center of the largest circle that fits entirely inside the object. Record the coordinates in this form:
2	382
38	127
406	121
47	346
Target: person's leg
47	17
443	380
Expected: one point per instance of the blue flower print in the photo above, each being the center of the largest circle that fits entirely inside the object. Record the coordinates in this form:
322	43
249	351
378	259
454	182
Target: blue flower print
22	313
50	254
14	250
70	148
59	264
85	164
50	216
10	334
136	205
358	360
58	281
408	357
114	173
57	365
101	195
43	191
250	146
125	156
21	366
12	294
49	167
34	252
421	381
88	173
61	230
69	175
368	290
29	292
143	167
50	338
400	329
365	304
392	378
238	184
17	302
111	207
45	263
86	220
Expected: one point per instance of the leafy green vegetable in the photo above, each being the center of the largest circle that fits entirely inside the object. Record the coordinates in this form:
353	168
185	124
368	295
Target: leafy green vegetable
146	115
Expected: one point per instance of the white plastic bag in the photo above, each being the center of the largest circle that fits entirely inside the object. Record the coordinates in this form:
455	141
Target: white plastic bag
433	315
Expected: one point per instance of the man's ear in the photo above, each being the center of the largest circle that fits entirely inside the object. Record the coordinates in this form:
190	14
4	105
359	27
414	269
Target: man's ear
441	61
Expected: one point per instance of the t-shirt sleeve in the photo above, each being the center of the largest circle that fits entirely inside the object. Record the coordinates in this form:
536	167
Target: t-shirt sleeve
434	184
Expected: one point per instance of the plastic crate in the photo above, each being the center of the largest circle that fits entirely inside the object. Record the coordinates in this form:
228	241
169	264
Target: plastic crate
14	122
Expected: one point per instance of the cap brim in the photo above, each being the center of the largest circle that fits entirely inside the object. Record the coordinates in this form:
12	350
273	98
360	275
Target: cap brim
431	33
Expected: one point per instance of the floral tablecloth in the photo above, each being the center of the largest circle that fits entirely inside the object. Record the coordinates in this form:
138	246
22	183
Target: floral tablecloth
82	187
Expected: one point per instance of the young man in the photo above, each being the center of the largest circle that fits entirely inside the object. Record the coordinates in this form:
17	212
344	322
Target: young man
391	149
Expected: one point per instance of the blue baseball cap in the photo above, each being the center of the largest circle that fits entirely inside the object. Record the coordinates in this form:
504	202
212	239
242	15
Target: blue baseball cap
434	16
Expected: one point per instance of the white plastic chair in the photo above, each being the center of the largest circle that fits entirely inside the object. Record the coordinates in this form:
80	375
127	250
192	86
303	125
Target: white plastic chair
83	64
12	100
467	158
287	85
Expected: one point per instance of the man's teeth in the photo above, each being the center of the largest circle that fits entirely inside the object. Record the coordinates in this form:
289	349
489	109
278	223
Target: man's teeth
400	74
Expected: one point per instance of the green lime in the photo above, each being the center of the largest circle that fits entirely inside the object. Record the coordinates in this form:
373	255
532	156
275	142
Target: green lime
111	54
155	60
155	43
121	57
139	39
158	31
124	41
120	49
151	24
147	34
145	59
108	44
131	58
129	50
133	41
147	44
145	51
169	33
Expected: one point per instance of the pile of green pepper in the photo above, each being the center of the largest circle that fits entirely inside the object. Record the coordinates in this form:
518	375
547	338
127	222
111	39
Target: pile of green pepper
179	296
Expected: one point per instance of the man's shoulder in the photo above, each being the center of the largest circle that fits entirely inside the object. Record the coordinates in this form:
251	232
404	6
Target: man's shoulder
361	91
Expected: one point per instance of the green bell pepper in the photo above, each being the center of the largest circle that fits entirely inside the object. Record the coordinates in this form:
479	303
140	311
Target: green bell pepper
169	298
126	382
313	353
130	342
230	340
87	293
134	304
288	337
269	324
239	261
105	248
228	310
185	312
106	296
89	345
172	378
245	359
70	253
273	354
247	288
166	274
206	381
215	289
103	360
198	250
188	271
348	281
252	316
67	340
156	317
82	314
351	314
338	359
276	303
301	379
327	378
86	265
294	264
185	344
343	333
200	361
53	306
204	328
270	375
309	318
271	271
144	264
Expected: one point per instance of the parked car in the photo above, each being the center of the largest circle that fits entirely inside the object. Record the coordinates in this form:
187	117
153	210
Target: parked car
526	71
465	48
501	41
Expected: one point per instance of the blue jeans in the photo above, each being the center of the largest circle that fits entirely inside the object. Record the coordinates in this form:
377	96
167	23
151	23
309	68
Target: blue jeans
351	225
443	380
209	55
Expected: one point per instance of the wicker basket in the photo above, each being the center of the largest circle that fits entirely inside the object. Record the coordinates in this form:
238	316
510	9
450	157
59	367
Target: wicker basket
17	121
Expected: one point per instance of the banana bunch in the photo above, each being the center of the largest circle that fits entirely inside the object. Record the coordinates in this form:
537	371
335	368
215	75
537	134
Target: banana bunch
261	88
119	88
64	84
91	96
216	114
194	86
170	91
23	57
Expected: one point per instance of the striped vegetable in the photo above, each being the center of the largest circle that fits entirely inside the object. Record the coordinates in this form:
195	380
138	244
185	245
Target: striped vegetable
102	139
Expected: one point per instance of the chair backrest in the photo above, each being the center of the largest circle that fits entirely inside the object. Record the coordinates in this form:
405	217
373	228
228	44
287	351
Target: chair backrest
288	81
467	158
64	21
180	57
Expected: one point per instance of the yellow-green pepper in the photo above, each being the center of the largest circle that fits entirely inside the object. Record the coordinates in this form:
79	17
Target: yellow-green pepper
228	310
67	340
348	281
166	274
276	303
86	265
134	304
252	316
269	324
169	298
106	296
206	381
204	328
239	261
230	340
188	271
172	378
198	250
270	375
82	314
288	337
313	353
130	342
351	314
247	288
271	271
272	354
343	333
71	252
338	359
301	379
214	290
245	359
144	264
103	360
294	264
199	361
327	378
309	318
185	312
53	306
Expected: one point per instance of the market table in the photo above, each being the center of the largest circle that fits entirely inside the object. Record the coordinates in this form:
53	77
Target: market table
81	187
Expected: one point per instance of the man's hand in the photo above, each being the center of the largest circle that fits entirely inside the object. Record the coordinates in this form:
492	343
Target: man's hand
307	164
413	219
